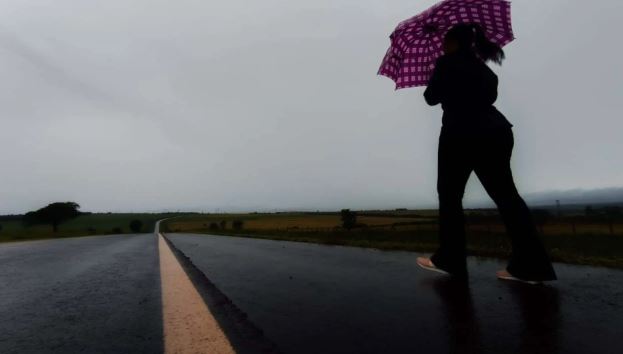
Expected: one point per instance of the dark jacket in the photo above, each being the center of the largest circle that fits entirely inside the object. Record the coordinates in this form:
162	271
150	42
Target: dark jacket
466	88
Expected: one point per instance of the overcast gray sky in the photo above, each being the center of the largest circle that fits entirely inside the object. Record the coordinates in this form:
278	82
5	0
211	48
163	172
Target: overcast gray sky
130	105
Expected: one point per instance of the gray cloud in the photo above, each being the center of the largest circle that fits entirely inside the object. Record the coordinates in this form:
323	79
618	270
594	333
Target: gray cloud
151	105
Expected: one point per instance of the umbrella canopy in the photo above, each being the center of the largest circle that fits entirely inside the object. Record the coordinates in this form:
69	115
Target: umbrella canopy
417	42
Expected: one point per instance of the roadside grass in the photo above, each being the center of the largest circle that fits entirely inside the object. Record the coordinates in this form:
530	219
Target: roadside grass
84	225
592	246
288	221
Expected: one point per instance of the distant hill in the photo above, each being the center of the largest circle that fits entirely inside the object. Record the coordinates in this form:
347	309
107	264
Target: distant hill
613	195
569	199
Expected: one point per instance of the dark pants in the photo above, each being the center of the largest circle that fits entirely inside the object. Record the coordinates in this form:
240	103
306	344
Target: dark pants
487	152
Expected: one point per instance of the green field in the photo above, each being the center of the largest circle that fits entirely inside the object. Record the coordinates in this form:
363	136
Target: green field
568	240
84	225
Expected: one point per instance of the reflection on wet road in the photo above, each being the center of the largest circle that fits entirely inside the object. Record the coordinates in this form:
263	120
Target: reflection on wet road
322	299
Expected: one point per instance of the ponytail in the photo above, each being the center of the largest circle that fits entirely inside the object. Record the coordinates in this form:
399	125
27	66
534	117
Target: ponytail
486	49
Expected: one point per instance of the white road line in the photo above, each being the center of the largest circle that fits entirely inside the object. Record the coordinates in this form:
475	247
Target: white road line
189	327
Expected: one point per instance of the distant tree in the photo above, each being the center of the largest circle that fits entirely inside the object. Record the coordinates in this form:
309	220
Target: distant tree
541	217
223	224
29	218
53	214
349	219
136	225
237	224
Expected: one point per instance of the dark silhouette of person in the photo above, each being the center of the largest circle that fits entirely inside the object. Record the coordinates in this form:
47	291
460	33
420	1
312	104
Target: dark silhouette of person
475	136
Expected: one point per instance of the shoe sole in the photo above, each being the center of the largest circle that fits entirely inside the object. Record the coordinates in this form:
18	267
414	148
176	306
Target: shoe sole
531	282
434	269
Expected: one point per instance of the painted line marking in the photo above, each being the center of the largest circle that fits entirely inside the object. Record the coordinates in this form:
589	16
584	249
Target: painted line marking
189	326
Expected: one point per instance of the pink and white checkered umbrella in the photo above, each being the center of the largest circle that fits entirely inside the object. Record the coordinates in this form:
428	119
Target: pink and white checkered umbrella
417	42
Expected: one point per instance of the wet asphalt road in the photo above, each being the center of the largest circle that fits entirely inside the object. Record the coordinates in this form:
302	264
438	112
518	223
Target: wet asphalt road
81	295
103	295
326	299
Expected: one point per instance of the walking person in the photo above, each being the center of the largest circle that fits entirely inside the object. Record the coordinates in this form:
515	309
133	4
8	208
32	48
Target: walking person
475	136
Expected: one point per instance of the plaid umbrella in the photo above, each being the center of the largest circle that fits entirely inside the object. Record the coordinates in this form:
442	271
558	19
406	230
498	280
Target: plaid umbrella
417	42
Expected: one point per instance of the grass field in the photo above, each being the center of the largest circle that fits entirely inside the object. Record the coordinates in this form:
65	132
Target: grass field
580	243
91	224
568	240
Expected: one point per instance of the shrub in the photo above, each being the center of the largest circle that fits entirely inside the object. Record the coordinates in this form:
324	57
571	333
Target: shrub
213	226
237	224
223	224
91	230
117	230
349	219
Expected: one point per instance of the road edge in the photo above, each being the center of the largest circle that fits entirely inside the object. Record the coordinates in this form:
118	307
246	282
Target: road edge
244	336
